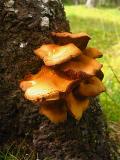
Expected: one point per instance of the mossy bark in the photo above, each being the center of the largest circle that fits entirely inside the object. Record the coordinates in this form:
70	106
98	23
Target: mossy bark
25	25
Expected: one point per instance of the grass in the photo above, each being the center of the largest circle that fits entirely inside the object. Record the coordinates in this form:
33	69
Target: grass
18	150
103	25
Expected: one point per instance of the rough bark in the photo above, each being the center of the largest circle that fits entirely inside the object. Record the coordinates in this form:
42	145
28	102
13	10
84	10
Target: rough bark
27	24
83	140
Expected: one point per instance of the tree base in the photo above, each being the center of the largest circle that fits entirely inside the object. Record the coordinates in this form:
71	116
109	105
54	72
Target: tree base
85	139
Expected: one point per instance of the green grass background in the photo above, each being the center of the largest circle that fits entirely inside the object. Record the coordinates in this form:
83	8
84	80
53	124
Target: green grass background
103	25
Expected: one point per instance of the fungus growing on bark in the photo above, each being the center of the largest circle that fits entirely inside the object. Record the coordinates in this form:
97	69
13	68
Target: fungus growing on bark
56	111
29	81
76	106
47	85
53	54
68	78
80	67
92	53
79	39
90	87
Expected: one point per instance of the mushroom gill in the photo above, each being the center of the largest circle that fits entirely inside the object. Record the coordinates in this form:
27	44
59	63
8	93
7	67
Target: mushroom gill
100	74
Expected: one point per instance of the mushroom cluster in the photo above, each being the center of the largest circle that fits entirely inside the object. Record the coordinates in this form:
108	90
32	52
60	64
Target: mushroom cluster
69	76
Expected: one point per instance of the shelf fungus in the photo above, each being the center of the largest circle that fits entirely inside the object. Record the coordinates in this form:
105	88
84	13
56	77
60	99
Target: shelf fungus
53	54
76	106
47	85
79	39
92	86
69	76
56	111
92	53
81	67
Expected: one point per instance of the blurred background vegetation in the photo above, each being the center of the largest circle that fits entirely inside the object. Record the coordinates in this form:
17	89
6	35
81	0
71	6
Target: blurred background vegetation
101	20
93	3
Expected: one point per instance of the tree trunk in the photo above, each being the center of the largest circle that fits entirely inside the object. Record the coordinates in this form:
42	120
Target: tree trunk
117	2
76	2
102	2
91	3
25	26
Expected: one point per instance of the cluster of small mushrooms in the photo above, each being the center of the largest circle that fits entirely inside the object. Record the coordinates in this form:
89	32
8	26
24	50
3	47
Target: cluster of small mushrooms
69	76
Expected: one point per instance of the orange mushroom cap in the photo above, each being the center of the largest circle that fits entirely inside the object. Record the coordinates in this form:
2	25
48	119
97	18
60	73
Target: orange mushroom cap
29	81
92	53
90	87
79	39
76	106
55	111
80	67
47	85
53	54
